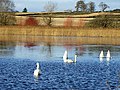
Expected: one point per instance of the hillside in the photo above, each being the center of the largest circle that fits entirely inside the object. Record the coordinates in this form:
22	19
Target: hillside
60	18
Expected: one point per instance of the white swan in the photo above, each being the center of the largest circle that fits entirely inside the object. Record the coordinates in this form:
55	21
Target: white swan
108	56
65	56
69	60
101	54
37	70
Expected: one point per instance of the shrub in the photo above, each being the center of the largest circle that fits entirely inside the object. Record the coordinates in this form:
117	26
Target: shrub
7	18
31	22
103	21
68	22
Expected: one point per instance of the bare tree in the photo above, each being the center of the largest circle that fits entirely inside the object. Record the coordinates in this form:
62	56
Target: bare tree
91	6
103	6
81	5
49	8
6	6
7	17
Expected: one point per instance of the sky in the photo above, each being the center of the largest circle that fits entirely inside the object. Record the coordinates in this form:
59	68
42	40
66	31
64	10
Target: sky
38	5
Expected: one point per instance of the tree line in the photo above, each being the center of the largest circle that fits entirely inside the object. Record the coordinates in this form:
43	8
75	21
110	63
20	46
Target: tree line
7	14
90	6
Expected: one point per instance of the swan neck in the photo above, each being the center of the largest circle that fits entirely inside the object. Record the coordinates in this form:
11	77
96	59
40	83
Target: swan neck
37	65
65	56
75	58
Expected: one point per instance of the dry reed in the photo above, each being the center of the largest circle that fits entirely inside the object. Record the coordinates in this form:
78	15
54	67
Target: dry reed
58	31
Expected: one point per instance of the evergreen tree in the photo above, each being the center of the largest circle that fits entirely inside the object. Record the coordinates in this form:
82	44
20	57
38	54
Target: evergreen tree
24	10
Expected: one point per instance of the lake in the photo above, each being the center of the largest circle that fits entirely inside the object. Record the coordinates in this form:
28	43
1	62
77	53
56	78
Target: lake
18	61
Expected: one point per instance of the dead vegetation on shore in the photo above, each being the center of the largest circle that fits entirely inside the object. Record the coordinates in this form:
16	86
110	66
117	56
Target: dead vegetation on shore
59	31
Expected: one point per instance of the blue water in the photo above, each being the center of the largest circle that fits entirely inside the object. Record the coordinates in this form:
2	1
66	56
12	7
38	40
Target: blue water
18	62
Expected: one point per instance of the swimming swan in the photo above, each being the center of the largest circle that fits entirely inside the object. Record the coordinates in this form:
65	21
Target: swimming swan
70	60
65	56
66	60
101	54
108	56
37	70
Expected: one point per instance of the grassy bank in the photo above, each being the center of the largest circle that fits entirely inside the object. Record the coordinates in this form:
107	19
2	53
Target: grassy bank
58	31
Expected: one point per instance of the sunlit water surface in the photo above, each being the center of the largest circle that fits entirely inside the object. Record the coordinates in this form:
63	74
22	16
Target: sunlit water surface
18	62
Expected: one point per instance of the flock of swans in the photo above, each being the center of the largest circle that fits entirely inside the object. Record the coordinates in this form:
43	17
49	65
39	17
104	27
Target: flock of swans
37	71
101	56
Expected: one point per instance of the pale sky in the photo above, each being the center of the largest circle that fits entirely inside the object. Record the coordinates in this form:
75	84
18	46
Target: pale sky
37	5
